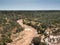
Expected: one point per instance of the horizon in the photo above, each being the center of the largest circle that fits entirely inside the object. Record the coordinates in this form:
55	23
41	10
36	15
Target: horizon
29	4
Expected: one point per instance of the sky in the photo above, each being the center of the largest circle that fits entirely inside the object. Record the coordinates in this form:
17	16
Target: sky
29	4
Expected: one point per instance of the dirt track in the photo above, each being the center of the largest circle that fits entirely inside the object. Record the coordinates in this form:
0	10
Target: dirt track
27	35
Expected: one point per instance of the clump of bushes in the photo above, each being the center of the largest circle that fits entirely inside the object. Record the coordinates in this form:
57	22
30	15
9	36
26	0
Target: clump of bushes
5	39
8	26
37	25
36	41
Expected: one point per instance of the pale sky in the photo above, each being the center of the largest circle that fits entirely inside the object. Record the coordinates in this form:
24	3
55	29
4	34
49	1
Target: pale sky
29	4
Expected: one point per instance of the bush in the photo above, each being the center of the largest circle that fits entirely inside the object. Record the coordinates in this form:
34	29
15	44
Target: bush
2	43
42	43
36	40
5	39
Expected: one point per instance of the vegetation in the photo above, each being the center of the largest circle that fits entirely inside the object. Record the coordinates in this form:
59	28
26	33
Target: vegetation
8	26
36	41
40	20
